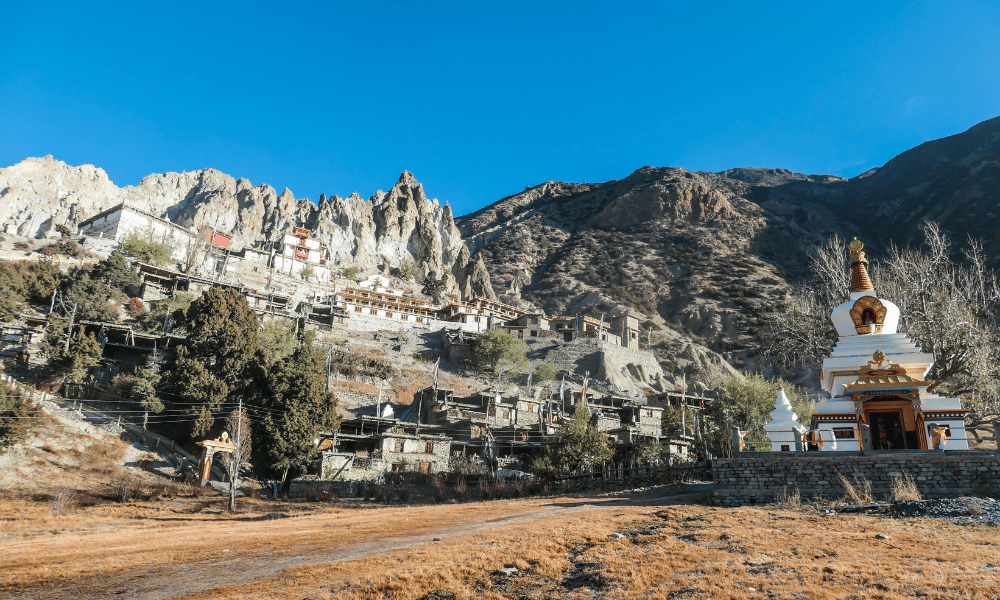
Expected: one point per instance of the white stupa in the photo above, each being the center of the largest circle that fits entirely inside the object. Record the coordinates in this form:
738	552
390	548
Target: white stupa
875	377
784	425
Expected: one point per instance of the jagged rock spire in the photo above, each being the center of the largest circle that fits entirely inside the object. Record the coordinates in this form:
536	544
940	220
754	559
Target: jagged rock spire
860	281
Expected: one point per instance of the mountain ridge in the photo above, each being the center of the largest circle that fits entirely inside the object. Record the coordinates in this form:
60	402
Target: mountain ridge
700	256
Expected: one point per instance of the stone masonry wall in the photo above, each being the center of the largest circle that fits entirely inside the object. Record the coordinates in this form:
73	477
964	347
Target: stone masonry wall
758	478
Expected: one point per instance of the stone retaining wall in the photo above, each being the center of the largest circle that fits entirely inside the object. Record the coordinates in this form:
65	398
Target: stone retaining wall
759	478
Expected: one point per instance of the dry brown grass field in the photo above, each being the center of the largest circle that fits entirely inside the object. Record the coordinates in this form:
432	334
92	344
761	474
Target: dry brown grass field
64	533
187	547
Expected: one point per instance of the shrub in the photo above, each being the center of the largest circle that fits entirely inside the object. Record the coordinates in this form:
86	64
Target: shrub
860	492
134	307
405	492
461	489
351	273
62	247
904	489
64	501
63	230
125	487
786	499
146	250
23	245
544	372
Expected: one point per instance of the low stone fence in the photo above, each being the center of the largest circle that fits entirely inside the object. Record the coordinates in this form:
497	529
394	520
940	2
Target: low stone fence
760	478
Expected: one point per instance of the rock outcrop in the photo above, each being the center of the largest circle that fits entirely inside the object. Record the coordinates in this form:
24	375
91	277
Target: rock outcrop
389	230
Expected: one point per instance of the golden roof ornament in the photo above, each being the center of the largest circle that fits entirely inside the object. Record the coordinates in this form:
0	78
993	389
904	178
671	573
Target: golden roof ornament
878	358
860	282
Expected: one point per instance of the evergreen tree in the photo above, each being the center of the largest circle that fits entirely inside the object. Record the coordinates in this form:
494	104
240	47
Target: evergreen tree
116	273
12	291
84	352
297	406
433	286
221	357
92	298
18	415
579	445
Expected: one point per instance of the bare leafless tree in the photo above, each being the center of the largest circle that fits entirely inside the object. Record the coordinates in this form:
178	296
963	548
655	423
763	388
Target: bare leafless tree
195	249
948	307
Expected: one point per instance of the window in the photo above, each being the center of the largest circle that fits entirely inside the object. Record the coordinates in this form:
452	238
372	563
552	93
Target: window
429	447
388	314
357	309
843	433
420	319
425	467
399	446
373	311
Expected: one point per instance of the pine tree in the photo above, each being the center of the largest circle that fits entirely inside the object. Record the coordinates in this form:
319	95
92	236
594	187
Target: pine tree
297	408
84	352
221	358
117	273
433	286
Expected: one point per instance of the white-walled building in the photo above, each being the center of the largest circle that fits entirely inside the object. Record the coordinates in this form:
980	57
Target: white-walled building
299	255
123	220
876	376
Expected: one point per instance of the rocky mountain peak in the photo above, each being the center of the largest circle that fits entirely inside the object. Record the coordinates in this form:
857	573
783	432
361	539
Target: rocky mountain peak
393	229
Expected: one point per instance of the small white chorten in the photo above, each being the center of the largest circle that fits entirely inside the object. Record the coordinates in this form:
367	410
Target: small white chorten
784	425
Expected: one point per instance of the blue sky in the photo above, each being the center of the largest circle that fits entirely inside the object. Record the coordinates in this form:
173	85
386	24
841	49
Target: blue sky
481	99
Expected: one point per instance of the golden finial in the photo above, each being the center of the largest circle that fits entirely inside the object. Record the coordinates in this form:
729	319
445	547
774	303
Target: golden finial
859	276
857	251
878	358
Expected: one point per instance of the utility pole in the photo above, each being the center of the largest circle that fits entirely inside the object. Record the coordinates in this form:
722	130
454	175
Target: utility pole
237	456
69	332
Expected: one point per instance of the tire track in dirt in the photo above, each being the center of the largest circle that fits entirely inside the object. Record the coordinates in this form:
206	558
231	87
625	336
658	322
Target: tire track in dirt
166	581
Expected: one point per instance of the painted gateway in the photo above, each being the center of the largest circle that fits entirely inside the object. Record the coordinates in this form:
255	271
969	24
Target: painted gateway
875	377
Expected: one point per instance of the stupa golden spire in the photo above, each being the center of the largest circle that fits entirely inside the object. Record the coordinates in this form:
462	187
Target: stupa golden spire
859	273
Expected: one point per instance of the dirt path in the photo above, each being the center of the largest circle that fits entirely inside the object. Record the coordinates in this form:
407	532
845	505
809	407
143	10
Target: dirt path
169	557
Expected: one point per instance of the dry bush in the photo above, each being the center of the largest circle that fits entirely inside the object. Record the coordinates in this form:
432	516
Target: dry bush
904	489
196	490
860	492
104	456
461	489
125	487
438	490
485	489
172	489
64	501
791	500
249	487
971	506
322	494
146	460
